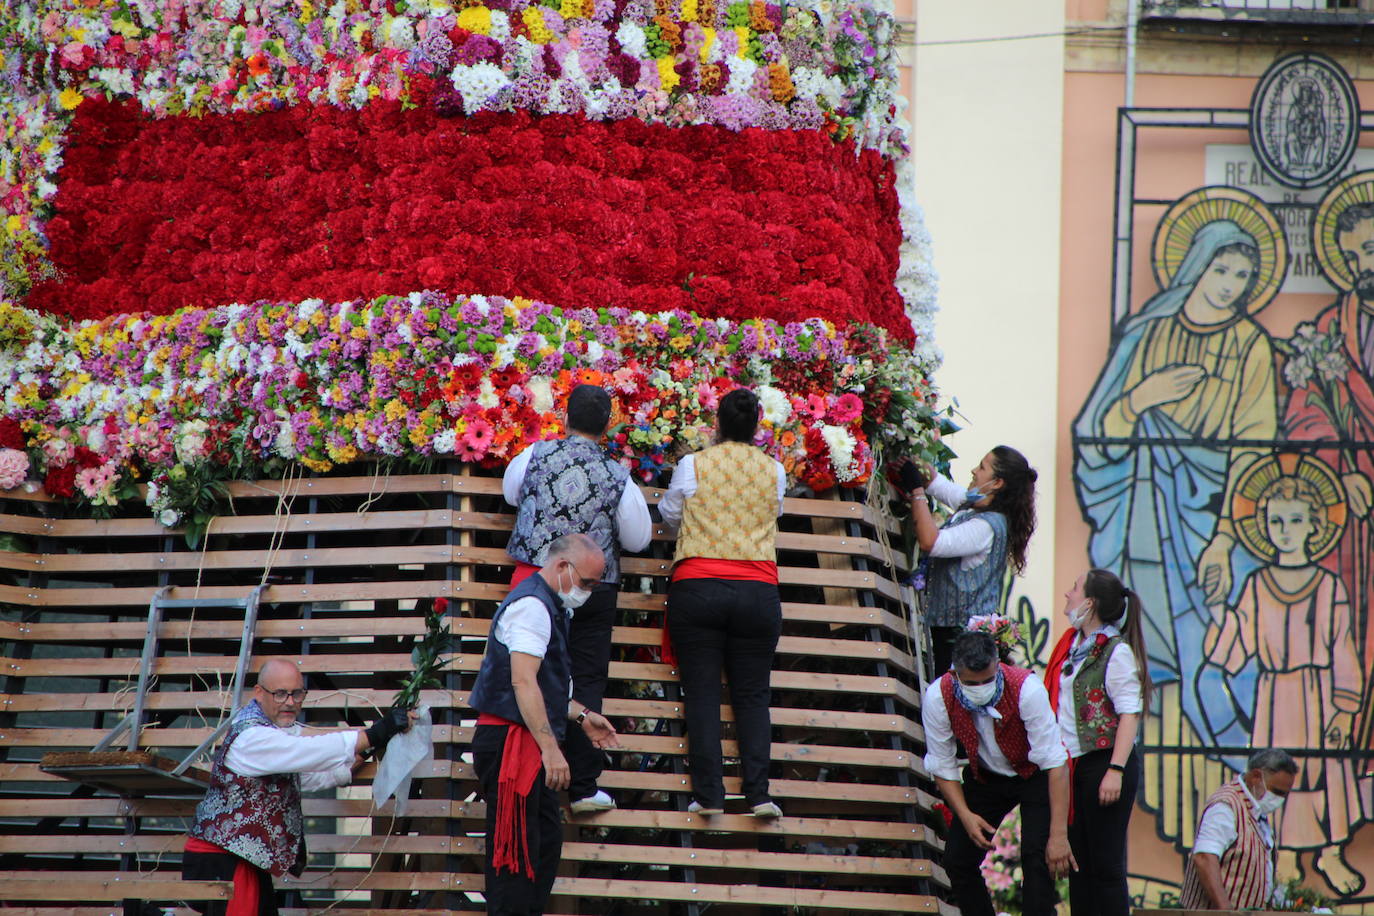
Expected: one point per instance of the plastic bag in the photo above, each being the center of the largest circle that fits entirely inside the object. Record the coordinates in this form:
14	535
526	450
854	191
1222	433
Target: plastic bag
406	755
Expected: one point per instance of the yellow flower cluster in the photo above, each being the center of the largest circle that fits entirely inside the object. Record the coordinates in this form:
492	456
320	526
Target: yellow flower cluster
475	19
534	21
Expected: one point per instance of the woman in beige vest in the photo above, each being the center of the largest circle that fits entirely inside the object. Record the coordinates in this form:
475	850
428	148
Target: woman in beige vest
723	607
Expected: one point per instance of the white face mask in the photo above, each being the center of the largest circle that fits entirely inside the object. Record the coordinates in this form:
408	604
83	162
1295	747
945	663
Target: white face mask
1079	616
1269	803
574	597
979	694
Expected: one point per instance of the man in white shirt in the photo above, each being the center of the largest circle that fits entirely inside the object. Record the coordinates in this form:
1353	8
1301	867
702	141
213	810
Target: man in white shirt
249	826
524	696
566	486
1001	716
1232	864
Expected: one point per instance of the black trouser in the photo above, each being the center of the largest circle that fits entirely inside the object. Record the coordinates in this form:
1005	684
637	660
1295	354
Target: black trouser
1097	836
992	800
589	644
220	866
942	648
507	893
730	625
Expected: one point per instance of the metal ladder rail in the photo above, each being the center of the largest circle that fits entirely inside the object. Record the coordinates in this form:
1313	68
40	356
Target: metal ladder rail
133	722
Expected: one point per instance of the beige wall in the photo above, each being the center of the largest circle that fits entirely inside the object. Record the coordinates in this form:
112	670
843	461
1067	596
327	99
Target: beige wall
987	150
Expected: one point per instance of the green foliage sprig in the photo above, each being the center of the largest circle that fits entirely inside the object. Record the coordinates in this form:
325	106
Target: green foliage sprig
427	656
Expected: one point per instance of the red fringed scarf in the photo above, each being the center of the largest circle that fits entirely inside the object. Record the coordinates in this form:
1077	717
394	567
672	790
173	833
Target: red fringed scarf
521	763
245	900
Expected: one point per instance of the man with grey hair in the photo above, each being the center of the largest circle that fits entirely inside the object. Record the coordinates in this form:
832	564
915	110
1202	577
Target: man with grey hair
1232	865
1001	716
524	696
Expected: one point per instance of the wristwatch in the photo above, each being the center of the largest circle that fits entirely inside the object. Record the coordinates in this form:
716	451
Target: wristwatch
582	715
1119	767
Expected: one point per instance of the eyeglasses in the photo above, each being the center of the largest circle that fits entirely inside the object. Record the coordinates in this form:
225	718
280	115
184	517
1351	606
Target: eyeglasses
281	696
584	581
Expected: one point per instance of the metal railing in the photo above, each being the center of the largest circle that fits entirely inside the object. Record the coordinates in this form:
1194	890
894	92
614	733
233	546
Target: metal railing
1314	11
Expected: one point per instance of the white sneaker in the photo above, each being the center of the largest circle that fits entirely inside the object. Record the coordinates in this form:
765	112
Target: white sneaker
593	804
696	808
767	809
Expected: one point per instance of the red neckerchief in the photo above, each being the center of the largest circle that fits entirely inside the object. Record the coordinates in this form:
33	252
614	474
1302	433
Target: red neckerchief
1055	668
1053	671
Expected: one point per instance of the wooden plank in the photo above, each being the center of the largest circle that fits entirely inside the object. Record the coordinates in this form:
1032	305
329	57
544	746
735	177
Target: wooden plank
445	734
333	557
133	630
80	885
55	563
152	885
100	600
572	852
368	700
475	811
748	894
469	662
377	521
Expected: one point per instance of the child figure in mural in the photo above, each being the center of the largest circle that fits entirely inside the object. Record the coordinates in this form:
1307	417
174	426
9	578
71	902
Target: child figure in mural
1292	618
1187	391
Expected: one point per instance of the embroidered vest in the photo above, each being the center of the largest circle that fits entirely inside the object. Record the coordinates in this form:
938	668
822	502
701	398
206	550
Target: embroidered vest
1009	730
571	486
1094	714
257	818
494	692
954	594
1244	866
734	513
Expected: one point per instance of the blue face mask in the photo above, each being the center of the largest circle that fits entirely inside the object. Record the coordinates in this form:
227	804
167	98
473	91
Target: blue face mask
973	495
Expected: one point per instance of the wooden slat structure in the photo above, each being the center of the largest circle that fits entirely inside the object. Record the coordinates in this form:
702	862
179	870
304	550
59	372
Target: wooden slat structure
350	565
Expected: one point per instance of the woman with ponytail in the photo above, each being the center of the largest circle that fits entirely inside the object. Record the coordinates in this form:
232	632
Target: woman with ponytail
1099	686
969	554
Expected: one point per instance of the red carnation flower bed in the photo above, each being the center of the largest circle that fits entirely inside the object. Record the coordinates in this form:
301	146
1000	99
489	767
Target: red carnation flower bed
316	201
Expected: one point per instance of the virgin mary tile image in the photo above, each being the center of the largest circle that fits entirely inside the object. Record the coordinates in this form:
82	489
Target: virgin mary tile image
1173	420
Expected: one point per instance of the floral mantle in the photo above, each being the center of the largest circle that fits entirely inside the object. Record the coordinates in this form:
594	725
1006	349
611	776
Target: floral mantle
188	400
124	404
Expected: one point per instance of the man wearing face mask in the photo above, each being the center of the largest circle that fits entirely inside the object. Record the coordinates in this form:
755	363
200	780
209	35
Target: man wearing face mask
561	486
524	697
1001	716
1232	865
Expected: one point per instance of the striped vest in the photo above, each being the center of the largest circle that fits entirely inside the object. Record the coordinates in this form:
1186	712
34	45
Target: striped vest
1244	867
734	513
1010	730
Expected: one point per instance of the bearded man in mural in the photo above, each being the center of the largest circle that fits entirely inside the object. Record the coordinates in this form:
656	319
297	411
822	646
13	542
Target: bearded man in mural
1186	402
1331	371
